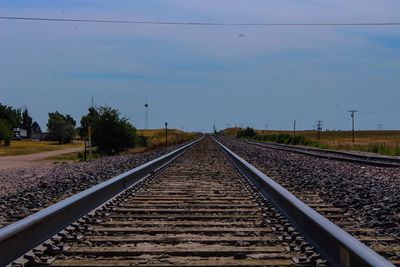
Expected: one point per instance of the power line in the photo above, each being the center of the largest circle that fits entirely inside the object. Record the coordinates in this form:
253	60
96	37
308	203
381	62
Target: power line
196	23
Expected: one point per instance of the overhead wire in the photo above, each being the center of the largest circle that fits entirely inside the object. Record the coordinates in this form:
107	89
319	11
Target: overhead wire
188	23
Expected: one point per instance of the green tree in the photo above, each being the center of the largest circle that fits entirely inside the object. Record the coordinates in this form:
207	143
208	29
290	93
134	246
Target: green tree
61	127
10	116
110	132
248	132
5	132
27	123
36	127
87	120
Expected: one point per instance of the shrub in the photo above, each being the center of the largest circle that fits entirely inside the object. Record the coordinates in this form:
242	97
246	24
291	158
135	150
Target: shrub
248	132
110	133
61	128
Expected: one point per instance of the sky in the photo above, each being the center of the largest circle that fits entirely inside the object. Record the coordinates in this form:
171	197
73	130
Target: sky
195	76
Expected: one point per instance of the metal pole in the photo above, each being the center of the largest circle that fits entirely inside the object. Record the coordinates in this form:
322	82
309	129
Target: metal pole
147	116
294	128
90	143
352	121
166	133
84	155
319	128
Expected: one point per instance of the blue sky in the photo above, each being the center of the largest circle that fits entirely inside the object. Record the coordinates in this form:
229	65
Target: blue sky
194	76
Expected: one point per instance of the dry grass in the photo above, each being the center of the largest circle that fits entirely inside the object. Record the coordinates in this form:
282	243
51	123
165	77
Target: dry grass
23	147
74	156
383	142
156	137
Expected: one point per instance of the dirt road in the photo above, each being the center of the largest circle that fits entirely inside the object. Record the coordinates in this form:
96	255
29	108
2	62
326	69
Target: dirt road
37	159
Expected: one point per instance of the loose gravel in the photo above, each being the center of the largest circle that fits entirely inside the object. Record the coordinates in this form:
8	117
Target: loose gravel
25	190
370	194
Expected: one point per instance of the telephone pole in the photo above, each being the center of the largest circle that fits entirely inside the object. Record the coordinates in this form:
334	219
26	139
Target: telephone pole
352	121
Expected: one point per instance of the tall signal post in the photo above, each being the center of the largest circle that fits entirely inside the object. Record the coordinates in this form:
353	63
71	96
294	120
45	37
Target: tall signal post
294	128
352	120
319	129
166	134
146	106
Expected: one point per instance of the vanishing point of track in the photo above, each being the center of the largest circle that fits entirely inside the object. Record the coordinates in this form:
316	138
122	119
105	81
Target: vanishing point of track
197	212
200	205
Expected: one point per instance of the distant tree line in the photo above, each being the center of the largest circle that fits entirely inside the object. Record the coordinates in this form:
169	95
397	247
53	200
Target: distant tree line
110	132
11	118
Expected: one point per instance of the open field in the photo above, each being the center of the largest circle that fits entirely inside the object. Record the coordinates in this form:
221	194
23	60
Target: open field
156	137
382	142
23	147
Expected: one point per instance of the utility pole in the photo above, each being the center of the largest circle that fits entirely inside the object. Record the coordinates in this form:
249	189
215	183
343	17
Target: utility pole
90	143
166	133
352	121
84	155
294	128
319	128
146	106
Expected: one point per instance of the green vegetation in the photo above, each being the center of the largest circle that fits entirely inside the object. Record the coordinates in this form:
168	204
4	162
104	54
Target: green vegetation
281	138
110	133
381	142
27	123
287	139
61	128
248	132
22	147
5	133
9	118
156	137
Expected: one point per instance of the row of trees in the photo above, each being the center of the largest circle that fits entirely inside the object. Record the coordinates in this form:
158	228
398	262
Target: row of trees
111	133
11	118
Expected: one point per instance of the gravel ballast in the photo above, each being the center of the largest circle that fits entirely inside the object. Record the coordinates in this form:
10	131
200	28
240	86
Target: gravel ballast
370	194
25	190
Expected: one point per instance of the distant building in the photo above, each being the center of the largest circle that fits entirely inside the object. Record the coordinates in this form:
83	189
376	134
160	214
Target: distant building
20	133
39	136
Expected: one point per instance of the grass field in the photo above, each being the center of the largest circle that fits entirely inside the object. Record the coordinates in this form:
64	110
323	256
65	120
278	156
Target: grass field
23	147
155	138
382	142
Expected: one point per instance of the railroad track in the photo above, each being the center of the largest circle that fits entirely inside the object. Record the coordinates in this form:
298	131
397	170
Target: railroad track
379	161
386	245
203	209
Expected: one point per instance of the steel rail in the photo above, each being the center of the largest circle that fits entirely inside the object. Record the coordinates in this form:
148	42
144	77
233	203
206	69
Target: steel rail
22	236
333	154
333	243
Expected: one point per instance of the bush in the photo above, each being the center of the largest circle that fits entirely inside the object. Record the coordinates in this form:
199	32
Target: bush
142	141
5	133
110	133
61	128
278	138
248	132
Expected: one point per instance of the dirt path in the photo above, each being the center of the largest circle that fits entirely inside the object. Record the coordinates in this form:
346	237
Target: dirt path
37	159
